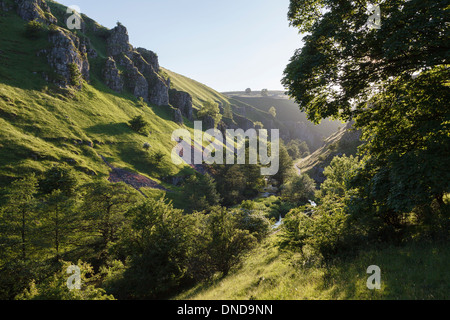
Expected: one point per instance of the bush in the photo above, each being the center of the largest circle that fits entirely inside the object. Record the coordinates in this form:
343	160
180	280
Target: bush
75	75
139	124
327	231
34	29
55	288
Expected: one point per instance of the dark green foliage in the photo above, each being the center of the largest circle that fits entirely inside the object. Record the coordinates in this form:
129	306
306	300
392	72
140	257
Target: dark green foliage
60	177
75	75
160	241
139	124
34	29
18	226
200	193
393	82
60	222
104	210
210	108
299	189
236	183
297	149
228	241
286	166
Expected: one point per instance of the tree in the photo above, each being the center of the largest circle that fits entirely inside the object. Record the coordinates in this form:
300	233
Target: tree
210	108
228	242
286	166
393	82
228	112
273	112
339	175
265	92
248	91
104	208
60	177
60	222
336	77
200	192
19	219
34	29
299	189
55	287
161	241
139	124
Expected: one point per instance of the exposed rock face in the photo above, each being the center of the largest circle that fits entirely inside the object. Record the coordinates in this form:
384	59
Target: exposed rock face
150	57
142	68
134	80
243	123
208	123
159	91
178	117
117	41
35	10
183	101
112	76
67	51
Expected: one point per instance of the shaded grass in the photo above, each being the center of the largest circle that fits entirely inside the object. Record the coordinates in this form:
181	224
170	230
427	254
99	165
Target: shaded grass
414	271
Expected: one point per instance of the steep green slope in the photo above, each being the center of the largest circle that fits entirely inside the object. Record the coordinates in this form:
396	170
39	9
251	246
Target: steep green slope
199	92
41	125
416	272
344	142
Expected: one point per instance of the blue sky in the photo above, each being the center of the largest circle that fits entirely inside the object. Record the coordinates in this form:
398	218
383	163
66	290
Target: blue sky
227	45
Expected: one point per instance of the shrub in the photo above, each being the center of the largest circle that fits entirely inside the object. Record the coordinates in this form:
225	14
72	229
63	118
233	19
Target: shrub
139	124
75	75
34	29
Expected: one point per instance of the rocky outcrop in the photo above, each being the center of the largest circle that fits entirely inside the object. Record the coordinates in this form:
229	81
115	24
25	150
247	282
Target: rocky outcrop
159	91
117	42
112	76
183	101
208	123
134	80
150	57
178	117
68	54
35	10
243	123
142	68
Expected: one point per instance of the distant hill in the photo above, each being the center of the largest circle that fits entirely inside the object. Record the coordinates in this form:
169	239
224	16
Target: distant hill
344	142
293	123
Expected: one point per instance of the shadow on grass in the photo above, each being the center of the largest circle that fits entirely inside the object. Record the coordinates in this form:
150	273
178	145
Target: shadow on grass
111	129
414	271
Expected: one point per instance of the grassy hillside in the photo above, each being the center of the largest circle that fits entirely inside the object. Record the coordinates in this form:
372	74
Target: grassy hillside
408	272
41	125
342	142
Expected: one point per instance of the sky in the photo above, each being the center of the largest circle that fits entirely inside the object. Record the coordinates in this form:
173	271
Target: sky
228	45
